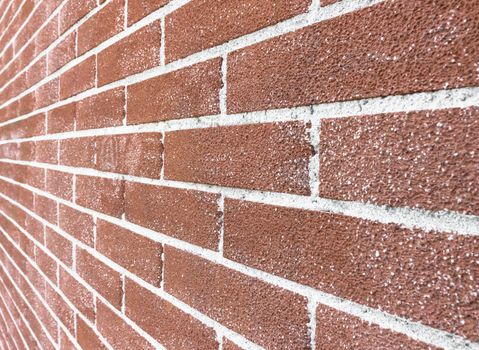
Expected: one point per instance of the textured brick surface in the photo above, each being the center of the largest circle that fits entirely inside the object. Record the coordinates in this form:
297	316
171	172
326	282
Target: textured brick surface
271	157
188	215
238	174
133	54
238	301
399	47
360	260
189	92
202	24
398	159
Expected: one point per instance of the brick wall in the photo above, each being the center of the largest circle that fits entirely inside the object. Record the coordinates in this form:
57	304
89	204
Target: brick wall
237	174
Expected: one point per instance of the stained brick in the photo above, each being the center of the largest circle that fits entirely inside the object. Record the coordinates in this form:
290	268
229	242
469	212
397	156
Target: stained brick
102	110
100	194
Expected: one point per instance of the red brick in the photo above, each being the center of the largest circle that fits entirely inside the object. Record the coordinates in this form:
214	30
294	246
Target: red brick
338	330
46	151
59	184
78	295
396	47
79	78
65	342
188	92
62	119
363	261
101	26
73	11
170	326
25	128
102	110
117	332
46	35
137	254
47	94
426	159
60	307
61	54
86	337
133	54
141	8
76	223
78	152
134	154
229	345
36	72
100	194
271	157
191	216
35	228
46	264
105	280
60	246
46	208
239	302
202	24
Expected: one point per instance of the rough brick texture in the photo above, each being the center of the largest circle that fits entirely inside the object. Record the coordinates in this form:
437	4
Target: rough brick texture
237	174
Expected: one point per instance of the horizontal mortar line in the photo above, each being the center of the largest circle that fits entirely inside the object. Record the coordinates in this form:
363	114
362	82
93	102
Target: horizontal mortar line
284	27
47	280
55	287
411	218
413	329
20	292
206	320
440	99
22	316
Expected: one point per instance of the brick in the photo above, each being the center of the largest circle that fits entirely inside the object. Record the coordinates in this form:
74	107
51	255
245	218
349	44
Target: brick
100	194
101	26
137	254
360	260
86	337
78	295
338	330
202	24
79	78
77	152
170	326
398	47
102	110
135	53
60	246
270	157
59	184
239	302
141	8
229	345
73	11
76	223
46	151
133	154
60	307
105	280
47	94
46	208
398	160
46	264
63	53
65	342
46	35
62	119
188	92
36	72
117	332
191	216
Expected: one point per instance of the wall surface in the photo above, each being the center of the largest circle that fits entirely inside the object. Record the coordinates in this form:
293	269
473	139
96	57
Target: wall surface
239	174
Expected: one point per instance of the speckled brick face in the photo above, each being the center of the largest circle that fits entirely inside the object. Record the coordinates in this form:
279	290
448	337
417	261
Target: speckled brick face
239	174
